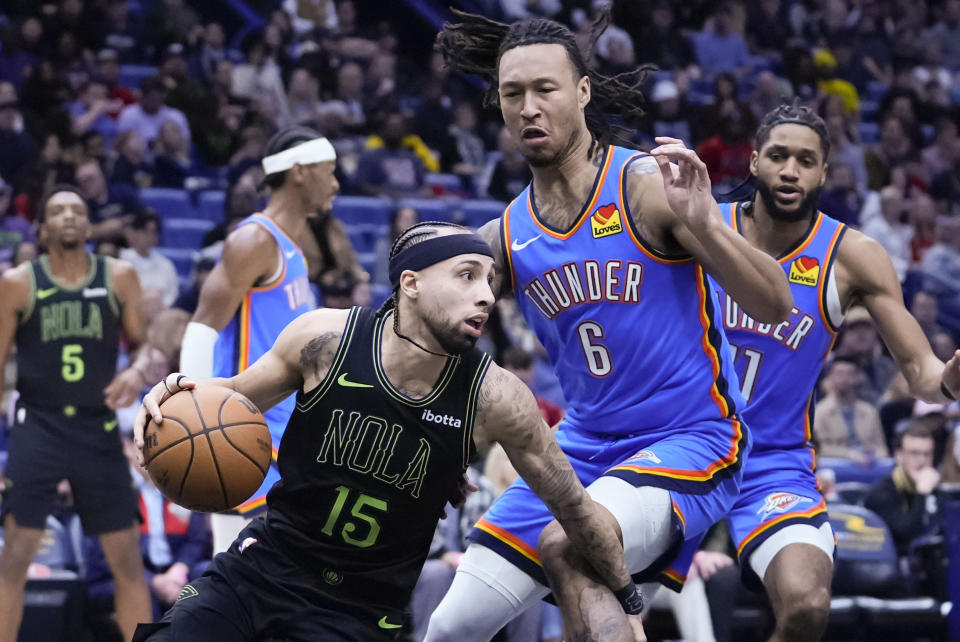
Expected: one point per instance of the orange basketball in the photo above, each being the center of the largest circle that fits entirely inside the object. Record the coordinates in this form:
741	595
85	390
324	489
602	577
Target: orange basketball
212	450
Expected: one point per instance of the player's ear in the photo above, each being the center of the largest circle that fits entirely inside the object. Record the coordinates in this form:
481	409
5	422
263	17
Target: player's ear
410	284
823	175
754	163
583	91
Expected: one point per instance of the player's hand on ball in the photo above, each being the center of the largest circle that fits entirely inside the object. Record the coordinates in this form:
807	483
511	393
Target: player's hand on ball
150	407
687	191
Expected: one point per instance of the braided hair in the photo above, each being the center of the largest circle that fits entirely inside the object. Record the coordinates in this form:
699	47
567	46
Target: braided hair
408	238
792	113
475	45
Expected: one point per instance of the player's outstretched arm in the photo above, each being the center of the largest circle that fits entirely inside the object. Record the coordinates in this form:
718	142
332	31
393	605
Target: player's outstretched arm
677	199
507	412
865	275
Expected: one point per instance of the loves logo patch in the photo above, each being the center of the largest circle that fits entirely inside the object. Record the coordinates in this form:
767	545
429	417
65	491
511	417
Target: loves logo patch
606	221
805	270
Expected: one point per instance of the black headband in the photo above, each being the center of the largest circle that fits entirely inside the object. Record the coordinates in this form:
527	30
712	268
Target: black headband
432	251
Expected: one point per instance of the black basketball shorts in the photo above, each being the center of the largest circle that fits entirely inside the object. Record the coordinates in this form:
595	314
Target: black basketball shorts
84	448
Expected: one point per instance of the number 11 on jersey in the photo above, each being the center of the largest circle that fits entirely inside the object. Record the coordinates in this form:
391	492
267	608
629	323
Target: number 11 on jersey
749	379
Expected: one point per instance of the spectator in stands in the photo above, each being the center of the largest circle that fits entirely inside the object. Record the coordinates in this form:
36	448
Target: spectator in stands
924	309
943	344
434	116
725	103
17	147
303	98
940	156
464	153
890	226
860	343
389	167
150	113
942	261
108	71
14	230
520	362
203	62
54	165
670	111
174	543
350	83
253	140
381	82
511	174
329	253
92	111
840	197
830	84
923	217
845	426
258	79
720	49
155	271
131	167
727	154
893	149
767	31
171	21
400	220
769	93
904	499
111	207
22	43
845	145
172	161
660	41
946	32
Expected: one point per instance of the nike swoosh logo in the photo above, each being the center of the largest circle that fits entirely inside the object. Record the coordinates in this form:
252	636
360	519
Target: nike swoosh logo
43	294
517	246
290	254
383	624
342	380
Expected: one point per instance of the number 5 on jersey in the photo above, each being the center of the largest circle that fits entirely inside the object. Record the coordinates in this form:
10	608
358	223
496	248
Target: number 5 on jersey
72	369
597	355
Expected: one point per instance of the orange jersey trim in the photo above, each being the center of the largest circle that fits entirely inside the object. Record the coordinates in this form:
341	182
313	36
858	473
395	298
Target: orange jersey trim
708	348
695	475
509	539
507	249
674	576
251	504
245	310
816	510
585	214
812	234
683	520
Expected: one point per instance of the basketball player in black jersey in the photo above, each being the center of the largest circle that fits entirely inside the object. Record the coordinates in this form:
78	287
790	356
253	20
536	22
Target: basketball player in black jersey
390	408
65	312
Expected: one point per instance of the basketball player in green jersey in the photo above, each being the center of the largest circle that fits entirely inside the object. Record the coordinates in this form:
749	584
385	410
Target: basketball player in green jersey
64	312
390	407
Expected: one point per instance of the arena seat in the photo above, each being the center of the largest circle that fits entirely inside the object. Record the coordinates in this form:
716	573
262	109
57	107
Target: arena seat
869	132
444	182
363	210
185	233
478	212
132	75
170	203
431	209
852	492
183	259
211	204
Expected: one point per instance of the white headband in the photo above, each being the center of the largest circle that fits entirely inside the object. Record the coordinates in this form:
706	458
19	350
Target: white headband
317	150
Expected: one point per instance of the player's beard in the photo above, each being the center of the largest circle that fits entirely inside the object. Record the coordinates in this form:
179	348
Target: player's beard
547	159
804	211
451	340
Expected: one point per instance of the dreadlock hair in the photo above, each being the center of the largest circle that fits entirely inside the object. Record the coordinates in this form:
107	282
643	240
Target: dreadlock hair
475	45
792	113
413	235
285	139
788	113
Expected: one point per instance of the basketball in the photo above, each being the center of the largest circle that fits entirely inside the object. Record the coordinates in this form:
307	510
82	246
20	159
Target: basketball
212	450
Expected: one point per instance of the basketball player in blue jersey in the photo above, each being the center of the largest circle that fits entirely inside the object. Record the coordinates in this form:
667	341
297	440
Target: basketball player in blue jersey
260	285
779	522
608	252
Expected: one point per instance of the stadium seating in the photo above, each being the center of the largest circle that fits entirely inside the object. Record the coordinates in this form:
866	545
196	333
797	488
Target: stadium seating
431	209
211	204
132	75
169	203
478	212
185	233
182	260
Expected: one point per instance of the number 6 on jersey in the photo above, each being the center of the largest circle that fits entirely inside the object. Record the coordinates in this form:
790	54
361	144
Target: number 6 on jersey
598	357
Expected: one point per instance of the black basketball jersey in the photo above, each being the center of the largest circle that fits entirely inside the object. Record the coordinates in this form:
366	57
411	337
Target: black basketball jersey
366	470
67	339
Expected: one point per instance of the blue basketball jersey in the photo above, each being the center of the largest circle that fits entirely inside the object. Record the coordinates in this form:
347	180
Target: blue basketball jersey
778	365
633	334
263	314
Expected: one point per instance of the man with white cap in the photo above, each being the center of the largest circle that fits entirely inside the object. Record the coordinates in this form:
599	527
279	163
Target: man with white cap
260	285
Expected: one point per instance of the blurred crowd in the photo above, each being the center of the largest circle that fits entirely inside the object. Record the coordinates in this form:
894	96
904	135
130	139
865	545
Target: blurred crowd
122	97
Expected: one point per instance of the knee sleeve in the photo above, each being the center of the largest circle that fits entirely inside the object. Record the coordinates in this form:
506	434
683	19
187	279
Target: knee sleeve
487	592
821	537
645	515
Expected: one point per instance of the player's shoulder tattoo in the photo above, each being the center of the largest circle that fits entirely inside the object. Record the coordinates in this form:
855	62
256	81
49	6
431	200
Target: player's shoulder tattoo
317	355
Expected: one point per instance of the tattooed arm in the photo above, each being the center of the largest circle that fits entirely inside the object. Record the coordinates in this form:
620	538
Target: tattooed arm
508	413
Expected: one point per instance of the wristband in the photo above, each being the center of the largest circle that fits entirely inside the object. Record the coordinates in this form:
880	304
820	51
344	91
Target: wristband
946	391
630	598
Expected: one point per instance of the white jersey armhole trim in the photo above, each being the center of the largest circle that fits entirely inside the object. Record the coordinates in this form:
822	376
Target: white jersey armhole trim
834	307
